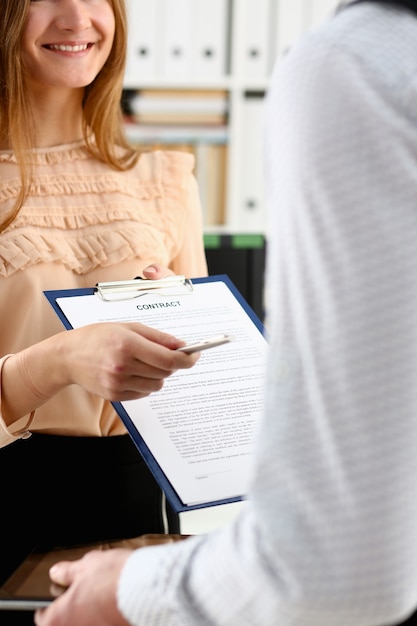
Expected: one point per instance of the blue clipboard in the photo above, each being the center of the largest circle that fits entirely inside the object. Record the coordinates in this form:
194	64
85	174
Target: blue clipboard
117	290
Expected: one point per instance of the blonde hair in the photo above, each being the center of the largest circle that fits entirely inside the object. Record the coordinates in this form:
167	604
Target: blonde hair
101	103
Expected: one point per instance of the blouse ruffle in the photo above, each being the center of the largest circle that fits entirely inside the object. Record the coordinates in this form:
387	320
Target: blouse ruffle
140	211
51	156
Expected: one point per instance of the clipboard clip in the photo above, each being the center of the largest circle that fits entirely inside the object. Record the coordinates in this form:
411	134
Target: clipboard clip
129	289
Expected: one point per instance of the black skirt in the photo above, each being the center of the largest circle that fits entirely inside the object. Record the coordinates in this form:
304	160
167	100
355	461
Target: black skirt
65	491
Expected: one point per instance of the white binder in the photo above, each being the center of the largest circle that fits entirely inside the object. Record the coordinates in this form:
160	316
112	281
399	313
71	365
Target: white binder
256	53
320	9
251	174
176	41
143	49
209	34
292	21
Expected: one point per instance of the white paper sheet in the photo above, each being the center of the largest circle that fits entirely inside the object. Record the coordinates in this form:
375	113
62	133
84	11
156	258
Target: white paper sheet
201	426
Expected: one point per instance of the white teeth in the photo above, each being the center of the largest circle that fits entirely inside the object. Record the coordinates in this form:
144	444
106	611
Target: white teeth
62	48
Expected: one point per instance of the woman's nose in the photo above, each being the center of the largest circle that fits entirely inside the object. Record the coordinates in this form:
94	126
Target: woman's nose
73	15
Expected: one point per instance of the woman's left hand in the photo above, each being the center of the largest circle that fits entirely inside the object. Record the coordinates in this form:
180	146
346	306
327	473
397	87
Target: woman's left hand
157	271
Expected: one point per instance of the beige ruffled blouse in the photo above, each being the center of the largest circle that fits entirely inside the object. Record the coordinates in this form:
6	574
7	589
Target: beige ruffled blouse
82	224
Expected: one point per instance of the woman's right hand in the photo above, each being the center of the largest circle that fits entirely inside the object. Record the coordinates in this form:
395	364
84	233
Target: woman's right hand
115	361
121	361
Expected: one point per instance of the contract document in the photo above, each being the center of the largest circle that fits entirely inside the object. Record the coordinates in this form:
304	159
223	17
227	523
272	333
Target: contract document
197	434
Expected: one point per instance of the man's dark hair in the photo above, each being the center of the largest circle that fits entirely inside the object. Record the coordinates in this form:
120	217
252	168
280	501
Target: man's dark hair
409	4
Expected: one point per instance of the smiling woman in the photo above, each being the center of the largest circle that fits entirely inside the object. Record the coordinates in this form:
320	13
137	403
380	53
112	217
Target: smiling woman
78	205
66	44
328	533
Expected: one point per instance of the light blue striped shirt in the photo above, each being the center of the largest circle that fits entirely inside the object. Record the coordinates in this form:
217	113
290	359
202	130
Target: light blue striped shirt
329	536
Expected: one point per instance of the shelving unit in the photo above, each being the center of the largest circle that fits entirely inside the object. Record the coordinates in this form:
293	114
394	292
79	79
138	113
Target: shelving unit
211	46
228	45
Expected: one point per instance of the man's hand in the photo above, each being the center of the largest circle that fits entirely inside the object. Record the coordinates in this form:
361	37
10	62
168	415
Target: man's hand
90	597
